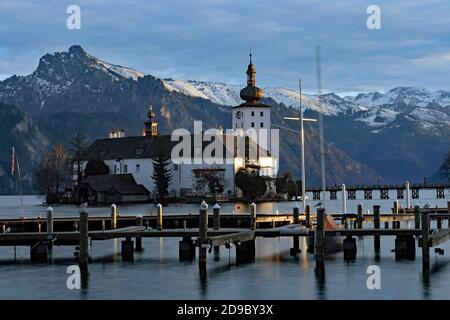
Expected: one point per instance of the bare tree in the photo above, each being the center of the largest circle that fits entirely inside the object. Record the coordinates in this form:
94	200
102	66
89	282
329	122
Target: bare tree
54	173
445	168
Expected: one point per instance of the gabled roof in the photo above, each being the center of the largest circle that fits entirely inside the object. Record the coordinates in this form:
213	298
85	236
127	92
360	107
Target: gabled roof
122	183
128	148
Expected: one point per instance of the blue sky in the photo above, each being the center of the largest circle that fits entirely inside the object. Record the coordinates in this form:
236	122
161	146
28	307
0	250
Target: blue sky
209	40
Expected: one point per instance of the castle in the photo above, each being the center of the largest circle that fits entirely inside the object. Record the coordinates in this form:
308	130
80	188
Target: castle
128	161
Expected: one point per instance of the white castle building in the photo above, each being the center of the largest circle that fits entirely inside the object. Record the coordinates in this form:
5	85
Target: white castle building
129	160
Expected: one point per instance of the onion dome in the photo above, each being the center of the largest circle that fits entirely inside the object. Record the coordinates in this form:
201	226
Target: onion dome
251	93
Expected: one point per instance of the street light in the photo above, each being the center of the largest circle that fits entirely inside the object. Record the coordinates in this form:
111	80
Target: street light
302	146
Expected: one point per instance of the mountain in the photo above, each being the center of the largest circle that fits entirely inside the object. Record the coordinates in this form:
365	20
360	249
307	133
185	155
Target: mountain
19	131
389	140
401	134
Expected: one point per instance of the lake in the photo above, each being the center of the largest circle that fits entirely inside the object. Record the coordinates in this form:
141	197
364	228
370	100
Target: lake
156	272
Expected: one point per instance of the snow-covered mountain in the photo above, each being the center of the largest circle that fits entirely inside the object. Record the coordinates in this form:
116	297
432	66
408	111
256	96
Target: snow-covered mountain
228	94
377	110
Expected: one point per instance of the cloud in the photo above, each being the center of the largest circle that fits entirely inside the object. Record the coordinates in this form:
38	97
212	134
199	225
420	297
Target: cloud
440	59
209	39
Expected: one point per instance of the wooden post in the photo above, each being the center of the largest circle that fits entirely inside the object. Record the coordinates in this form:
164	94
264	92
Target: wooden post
159	217
216	226
296	215
216	217
319	243
127	249
203	233
376	225
84	242
253	216
113	216
50	230
350	248
186	249
408	195
295	239
308	216
416	217
344	200
396	207
425	244
439	223
448	211
359	216
139	222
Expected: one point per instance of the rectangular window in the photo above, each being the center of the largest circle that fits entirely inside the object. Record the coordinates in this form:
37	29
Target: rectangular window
261	113
253	124
262	125
138	167
125	168
253	113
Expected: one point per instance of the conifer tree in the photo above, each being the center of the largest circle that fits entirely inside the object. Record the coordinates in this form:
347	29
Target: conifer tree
162	174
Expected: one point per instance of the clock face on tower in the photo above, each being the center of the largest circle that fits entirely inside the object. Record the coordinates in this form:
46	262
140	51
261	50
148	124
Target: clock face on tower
239	114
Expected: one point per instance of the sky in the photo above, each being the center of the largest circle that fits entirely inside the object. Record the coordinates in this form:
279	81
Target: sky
209	40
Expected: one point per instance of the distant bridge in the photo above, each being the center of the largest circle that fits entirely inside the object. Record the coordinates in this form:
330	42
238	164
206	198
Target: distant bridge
401	190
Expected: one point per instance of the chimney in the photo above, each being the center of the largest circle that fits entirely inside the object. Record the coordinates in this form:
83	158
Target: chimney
116	133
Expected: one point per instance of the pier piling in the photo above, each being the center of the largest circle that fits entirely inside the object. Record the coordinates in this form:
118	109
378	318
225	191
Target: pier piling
350	248
295	239
84	242
203	233
49	224
186	249
39	253
127	250
113	216
216	217
308	216
159	217
395	207
417	217
405	248
253	216
139	222
245	251
425	242
376	225
319	243
216	226
359	216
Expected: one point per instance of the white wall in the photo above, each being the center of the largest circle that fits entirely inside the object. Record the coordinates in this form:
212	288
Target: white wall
181	178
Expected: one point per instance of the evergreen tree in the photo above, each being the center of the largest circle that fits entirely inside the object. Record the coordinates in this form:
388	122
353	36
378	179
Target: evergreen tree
162	174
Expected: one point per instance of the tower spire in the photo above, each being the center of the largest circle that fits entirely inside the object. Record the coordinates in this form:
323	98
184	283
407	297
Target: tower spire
151	126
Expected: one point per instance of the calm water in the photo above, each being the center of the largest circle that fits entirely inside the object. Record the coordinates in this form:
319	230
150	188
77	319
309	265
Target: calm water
157	273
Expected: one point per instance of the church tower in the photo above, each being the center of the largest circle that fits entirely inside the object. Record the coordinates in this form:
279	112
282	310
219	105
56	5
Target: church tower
151	126
252	114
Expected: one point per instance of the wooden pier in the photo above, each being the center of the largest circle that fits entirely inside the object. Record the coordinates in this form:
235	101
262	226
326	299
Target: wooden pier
407	191
206	232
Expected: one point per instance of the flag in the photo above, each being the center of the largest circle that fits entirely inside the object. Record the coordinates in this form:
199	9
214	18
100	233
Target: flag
12	162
